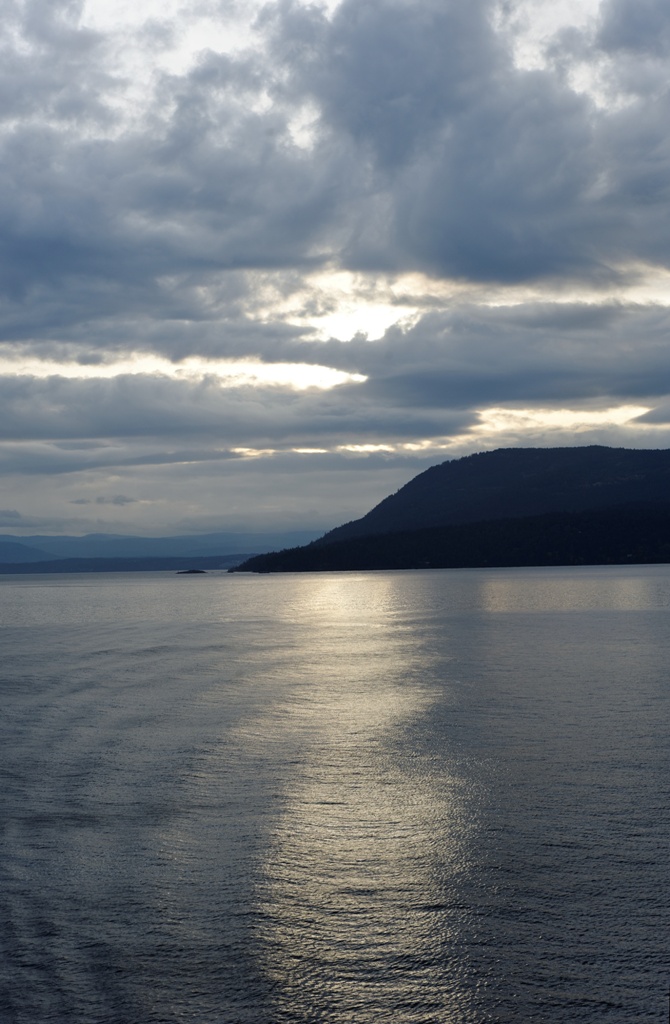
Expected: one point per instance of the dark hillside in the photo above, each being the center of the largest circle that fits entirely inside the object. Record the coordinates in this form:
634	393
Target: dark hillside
610	537
515	482
514	506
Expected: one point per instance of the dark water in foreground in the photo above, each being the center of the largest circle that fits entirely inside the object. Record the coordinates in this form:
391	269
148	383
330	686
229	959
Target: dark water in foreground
407	797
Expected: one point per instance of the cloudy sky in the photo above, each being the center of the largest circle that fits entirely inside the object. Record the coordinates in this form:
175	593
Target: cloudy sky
261	263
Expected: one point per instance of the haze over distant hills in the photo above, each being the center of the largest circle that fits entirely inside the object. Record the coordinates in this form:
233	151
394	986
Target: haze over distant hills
107	552
515	506
14	551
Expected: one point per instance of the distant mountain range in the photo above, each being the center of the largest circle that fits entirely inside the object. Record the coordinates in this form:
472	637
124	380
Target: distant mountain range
14	551
116	553
513	506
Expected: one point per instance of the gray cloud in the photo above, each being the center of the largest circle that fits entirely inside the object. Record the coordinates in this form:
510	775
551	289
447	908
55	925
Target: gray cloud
118	499
160	408
179	225
479	170
425	381
473	356
639	26
425	123
9	517
432	152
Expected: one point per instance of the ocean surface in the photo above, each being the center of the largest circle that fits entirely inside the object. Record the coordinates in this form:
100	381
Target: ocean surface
348	798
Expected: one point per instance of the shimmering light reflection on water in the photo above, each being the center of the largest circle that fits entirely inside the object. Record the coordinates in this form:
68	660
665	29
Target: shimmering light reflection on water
347	890
407	797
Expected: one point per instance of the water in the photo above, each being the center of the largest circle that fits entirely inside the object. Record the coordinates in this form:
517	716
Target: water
407	797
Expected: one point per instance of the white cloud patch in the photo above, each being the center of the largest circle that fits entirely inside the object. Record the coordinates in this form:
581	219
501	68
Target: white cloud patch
226	373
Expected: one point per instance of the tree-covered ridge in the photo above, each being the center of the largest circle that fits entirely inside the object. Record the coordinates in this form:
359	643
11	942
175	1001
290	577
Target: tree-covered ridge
514	482
557	506
610	537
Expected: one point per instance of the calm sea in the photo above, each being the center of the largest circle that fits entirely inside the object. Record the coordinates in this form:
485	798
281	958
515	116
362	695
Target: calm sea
360	798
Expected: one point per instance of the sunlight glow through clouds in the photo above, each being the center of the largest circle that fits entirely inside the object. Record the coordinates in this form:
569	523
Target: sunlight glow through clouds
199	26
515	422
196	28
494	427
351	319
368	449
228	373
533	25
499	419
153	38
338	304
534	22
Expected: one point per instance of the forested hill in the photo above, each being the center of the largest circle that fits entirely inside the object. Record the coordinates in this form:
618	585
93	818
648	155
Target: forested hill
516	506
518	482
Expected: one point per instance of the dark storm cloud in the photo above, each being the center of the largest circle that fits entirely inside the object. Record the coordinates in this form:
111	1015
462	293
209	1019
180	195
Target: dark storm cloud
476	169
388	73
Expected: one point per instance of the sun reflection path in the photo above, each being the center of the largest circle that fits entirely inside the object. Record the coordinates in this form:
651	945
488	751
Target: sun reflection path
351	902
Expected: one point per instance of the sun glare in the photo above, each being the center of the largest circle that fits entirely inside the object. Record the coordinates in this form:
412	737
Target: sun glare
340	305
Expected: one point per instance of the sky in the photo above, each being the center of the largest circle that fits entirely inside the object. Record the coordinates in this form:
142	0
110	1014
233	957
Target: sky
262	263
